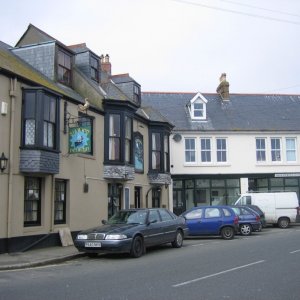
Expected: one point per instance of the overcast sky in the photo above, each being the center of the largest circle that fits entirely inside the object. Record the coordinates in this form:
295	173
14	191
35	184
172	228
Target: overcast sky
176	45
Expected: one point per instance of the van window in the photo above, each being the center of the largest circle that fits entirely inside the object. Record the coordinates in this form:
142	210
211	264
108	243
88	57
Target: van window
246	200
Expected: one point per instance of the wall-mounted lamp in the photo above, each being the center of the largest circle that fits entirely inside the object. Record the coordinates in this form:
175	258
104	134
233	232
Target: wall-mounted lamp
3	162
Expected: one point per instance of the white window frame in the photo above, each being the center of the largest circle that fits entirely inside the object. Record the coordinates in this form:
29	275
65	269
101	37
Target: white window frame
276	149
261	149
294	150
206	150
221	150
196	100
190	150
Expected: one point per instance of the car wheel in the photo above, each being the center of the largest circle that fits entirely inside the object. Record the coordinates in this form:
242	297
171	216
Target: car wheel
137	247
227	233
245	229
177	243
283	223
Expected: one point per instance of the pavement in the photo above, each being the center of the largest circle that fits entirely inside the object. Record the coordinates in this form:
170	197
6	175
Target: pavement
37	257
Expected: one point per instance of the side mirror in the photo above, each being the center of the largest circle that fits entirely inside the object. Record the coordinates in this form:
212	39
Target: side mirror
104	222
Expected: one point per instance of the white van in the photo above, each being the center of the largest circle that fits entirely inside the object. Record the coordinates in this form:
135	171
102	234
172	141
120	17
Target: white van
280	208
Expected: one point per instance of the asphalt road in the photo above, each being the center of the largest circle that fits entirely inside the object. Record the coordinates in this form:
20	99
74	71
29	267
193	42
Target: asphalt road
265	265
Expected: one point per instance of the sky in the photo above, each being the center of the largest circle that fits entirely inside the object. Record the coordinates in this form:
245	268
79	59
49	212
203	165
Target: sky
176	45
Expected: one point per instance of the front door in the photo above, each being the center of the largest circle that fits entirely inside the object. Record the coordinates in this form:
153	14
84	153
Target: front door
137	197
114	198
178	203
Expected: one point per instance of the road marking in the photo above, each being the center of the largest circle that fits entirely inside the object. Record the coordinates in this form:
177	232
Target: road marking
295	251
195	245
216	274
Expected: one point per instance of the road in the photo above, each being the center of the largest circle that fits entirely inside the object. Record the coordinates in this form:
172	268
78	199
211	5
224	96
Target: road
265	265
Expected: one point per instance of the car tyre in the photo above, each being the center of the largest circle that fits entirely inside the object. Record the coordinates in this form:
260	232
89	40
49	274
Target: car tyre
177	243
283	223
245	229
227	233
137	247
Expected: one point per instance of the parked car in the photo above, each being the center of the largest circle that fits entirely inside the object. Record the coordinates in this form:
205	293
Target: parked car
261	214
249	220
212	220
132	231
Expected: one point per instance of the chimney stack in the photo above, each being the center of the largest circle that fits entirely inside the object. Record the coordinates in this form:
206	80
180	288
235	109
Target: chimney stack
223	88
105	64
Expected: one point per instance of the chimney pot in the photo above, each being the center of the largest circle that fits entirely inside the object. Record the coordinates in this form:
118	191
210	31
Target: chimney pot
105	64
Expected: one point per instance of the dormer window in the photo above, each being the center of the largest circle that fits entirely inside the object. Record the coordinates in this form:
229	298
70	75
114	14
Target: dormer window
64	67
197	107
94	68
136	94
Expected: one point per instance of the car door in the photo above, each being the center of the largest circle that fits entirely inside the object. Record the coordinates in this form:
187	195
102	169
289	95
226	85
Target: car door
168	226
211	220
194	221
153	234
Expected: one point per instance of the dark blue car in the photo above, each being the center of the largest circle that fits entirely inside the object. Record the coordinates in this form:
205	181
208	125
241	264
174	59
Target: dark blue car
212	220
249	220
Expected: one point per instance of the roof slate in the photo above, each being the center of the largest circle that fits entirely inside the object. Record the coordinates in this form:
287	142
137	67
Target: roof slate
243	112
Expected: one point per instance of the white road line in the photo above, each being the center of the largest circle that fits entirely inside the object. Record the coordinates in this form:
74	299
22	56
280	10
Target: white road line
195	245
216	274
295	251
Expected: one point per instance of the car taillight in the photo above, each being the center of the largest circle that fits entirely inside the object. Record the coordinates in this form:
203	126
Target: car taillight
258	218
236	220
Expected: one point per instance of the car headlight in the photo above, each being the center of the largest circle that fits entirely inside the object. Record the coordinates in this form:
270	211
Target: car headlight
116	237
81	237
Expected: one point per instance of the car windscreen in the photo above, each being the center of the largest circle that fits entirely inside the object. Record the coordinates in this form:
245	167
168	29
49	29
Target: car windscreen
128	217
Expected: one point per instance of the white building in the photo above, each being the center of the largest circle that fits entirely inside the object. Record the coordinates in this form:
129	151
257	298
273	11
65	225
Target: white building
225	144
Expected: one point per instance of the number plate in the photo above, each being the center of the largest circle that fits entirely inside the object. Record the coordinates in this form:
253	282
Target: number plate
92	244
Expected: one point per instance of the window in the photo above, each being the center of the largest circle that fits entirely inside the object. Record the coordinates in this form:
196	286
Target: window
114	137
221	150
40	107
290	149
136	94
194	214
60	202
165	216
212	213
154	216
64	67
198	111
49	121
128	138
275	149
119	138
190	150
166	153
260	149
94	68
138	153
32	202
197	107
156	151
205	150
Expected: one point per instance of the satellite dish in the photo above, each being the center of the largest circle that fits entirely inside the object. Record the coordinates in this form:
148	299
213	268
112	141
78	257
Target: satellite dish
177	137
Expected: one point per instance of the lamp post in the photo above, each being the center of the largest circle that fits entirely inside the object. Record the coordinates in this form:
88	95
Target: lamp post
3	162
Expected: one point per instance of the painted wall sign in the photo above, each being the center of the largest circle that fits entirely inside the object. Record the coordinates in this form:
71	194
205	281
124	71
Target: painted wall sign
80	139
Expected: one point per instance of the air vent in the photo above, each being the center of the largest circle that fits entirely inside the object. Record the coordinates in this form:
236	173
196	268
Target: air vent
177	137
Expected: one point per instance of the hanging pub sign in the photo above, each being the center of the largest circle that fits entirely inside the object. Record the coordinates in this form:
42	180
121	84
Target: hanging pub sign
80	139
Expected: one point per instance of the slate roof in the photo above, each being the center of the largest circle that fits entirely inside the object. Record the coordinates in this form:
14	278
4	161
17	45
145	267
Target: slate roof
13	64
243	112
